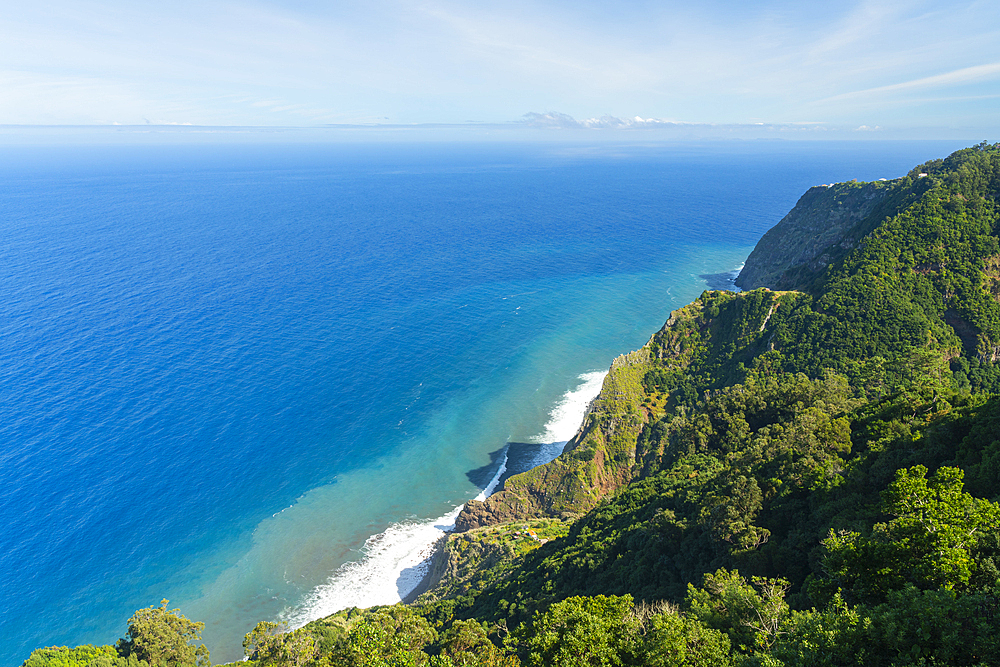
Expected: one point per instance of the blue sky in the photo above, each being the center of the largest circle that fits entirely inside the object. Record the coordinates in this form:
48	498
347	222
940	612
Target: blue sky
917	66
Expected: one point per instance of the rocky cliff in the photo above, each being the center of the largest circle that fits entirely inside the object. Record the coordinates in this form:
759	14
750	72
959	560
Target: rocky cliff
609	452
612	447
601	457
825	224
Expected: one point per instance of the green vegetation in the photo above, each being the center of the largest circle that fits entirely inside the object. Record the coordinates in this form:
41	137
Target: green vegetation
798	477
473	560
163	638
156	637
81	656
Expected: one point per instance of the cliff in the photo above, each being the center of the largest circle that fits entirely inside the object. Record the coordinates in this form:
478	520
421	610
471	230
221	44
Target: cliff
482	556
617	441
826	223
601	457
816	298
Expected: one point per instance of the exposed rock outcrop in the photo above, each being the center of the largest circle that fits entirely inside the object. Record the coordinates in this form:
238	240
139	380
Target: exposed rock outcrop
601	457
825	224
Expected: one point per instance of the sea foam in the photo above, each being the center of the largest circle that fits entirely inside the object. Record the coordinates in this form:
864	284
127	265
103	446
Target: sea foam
395	561
393	564
565	417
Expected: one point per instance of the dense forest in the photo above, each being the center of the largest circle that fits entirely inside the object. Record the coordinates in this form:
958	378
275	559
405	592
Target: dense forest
805	476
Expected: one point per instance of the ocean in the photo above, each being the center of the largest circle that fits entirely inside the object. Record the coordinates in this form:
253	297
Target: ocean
260	379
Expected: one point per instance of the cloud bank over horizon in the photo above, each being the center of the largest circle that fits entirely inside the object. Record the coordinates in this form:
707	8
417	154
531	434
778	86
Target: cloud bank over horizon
562	121
636	65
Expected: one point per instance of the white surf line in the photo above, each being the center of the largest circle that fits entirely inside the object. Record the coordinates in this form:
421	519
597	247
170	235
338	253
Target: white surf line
395	561
736	274
393	564
567	416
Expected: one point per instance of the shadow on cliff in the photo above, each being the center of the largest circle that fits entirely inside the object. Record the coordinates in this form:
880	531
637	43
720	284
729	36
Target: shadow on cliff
423	571
521	457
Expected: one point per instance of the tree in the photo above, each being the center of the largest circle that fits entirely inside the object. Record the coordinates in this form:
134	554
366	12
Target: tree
595	631
727	602
264	643
389	637
928	542
467	644
272	644
163	638
87	655
63	656
677	640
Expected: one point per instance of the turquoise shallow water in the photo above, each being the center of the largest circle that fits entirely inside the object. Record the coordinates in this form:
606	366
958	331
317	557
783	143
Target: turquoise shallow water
225	368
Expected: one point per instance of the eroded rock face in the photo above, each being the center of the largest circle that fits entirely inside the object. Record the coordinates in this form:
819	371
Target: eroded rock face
503	509
600	458
823	225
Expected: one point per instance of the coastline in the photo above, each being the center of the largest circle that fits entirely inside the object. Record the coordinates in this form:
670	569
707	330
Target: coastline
385	562
518	457
398	564
433	574
725	280
350	466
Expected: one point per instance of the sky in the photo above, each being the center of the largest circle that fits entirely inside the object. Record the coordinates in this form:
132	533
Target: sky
916	67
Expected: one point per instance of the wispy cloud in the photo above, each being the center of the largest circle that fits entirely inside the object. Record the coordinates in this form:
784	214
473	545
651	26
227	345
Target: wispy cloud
859	25
988	72
275	62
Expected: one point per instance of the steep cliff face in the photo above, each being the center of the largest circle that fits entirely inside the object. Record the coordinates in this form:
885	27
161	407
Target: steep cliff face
826	223
612	447
608	452
712	342
477	558
601	457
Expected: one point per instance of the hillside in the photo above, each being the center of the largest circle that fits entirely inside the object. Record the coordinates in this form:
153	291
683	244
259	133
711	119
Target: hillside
805	473
883	271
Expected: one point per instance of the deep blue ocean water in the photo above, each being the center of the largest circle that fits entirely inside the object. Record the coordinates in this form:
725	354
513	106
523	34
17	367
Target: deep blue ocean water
223	368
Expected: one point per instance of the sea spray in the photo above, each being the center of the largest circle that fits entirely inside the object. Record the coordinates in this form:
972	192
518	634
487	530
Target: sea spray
395	561
393	564
565	418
